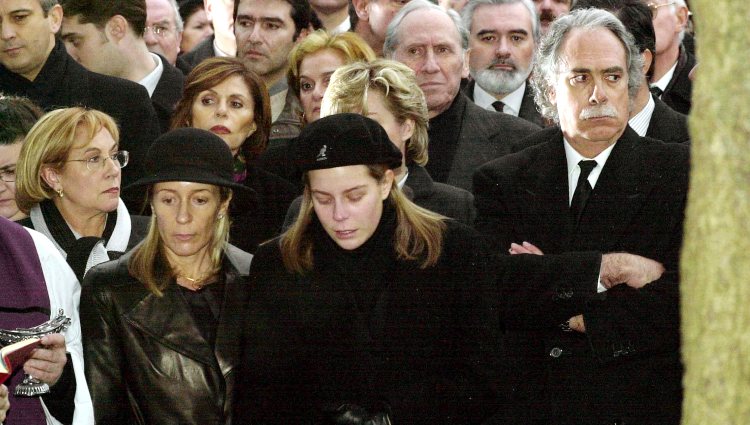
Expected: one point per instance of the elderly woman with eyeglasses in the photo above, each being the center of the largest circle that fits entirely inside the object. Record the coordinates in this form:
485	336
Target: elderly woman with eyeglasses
68	180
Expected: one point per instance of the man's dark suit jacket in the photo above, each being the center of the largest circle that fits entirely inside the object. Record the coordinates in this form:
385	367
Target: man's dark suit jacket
528	109
63	82
466	136
203	50
626	367
667	125
167	93
679	91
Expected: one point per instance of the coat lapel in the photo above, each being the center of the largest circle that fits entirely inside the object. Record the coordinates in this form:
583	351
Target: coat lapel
543	190
232	316
167	319
619	194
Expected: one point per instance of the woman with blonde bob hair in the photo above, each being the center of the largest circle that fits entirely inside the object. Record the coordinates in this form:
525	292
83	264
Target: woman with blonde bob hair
311	63
68	180
387	91
367	299
162	322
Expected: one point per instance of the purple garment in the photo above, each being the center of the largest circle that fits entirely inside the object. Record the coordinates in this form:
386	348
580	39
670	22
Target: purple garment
24	304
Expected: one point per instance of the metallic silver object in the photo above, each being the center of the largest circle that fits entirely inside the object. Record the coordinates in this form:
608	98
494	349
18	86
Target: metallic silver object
31	387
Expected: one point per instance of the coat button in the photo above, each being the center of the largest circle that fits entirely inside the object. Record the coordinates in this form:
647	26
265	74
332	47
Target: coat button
556	352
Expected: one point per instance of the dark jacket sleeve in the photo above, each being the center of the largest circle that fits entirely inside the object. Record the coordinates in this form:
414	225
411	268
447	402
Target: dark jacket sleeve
105	371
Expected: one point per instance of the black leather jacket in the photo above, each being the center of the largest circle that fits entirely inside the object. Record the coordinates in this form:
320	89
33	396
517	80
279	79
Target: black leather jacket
146	361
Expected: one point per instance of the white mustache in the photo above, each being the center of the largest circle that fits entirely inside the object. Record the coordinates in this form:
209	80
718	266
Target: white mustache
598	111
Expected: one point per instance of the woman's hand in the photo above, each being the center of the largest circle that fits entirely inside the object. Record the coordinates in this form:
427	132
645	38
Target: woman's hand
46	364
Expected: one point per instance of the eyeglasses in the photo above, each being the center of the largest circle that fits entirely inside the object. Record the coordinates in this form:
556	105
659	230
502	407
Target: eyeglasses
158	30
655	8
8	174
95	163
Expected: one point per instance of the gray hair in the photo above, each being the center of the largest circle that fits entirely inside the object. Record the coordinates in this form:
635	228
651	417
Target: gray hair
47	5
179	25
391	33
467	14
550	49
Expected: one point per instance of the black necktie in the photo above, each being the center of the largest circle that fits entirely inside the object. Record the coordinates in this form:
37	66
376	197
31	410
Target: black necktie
498	105
656	91
583	189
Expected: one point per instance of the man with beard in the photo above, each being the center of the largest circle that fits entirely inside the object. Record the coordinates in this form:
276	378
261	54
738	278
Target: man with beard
433	42
503	38
590	354
549	10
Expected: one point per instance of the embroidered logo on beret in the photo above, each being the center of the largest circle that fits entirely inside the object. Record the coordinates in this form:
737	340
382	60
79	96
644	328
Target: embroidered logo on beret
322	154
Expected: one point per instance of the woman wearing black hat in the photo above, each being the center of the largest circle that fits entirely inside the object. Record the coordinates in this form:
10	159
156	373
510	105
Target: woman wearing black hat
223	96
368	299
161	323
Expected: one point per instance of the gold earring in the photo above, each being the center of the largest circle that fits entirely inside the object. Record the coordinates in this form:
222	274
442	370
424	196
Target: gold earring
60	193
221	216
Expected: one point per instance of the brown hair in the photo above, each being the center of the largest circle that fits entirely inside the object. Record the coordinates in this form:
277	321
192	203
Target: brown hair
149	263
212	72
48	143
418	235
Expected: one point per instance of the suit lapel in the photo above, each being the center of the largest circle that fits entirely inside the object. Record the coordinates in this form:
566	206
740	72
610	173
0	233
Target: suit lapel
619	194
167	320
543	190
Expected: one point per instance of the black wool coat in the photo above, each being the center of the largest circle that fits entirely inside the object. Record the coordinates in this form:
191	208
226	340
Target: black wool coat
371	330
626	367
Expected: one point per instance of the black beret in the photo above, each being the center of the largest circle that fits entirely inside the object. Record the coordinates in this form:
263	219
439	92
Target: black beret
345	139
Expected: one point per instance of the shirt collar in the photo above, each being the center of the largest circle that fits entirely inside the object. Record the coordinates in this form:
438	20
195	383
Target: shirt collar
666	78
573	158
512	100
151	80
344	26
642	119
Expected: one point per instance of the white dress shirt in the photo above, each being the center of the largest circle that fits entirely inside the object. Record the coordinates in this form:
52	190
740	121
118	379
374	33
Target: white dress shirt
574	171
642	119
512	100
151	80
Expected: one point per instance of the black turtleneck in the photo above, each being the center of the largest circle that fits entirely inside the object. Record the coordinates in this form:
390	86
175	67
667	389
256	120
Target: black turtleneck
366	268
443	133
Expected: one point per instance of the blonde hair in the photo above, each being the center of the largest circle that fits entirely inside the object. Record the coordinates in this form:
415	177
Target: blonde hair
347	92
418	235
350	45
149	263
49	142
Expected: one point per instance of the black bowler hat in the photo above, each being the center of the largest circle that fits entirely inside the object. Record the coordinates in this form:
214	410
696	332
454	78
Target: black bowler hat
189	155
345	139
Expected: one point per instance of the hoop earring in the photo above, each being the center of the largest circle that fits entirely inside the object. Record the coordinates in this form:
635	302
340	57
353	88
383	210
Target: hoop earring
60	193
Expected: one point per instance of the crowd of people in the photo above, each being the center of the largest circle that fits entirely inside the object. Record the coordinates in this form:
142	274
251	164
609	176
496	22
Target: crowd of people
345	212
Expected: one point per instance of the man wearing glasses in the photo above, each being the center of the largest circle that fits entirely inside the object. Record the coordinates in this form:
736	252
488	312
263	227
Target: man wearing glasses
109	37
673	62
163	28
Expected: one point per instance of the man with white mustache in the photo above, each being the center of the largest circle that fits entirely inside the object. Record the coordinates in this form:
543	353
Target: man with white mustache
590	354
503	37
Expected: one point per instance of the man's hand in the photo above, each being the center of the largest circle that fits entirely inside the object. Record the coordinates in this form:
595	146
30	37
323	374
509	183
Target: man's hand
4	404
46	363
576	324
632	270
524	248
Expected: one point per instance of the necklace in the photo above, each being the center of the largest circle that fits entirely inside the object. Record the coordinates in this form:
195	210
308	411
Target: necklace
200	282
